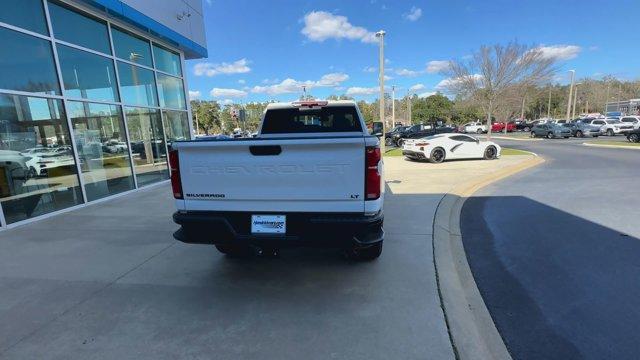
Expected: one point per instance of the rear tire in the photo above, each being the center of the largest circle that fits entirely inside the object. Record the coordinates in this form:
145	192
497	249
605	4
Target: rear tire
369	253
479	131
400	143
234	250
533	134
610	132
388	141
550	135
437	155
579	134
490	153
634	138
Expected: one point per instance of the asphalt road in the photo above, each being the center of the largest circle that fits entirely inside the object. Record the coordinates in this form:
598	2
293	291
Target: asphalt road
555	252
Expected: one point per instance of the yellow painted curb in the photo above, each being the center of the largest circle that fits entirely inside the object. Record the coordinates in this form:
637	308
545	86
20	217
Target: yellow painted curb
471	329
613	146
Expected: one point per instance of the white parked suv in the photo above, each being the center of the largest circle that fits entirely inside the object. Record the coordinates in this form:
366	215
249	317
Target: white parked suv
312	176
475	128
634	120
611	126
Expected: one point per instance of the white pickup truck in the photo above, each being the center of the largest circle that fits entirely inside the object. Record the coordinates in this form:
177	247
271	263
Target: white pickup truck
312	177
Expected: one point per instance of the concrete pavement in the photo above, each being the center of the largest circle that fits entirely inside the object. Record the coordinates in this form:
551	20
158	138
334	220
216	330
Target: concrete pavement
108	281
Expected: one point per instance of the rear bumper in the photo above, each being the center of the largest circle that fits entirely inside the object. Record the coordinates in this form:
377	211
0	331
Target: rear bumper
303	229
414	154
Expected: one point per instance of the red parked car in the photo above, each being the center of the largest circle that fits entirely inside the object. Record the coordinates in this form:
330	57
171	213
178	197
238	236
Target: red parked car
499	127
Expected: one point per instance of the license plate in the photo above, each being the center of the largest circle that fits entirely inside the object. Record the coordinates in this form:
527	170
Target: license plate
268	224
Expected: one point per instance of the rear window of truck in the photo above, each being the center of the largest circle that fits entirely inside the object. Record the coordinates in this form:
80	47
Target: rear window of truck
328	119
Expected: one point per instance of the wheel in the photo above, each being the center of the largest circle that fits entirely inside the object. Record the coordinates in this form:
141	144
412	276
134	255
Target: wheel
527	129
32	172
388	141
533	134
479	131
550	135
610	132
437	155
368	253
400	143
490	153
233	250
634	138
579	134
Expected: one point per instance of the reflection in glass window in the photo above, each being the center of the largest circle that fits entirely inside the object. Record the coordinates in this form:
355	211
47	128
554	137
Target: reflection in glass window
171	92
176	125
130	47
166	60
137	85
26	64
102	148
37	168
78	29
86	75
147	145
27	14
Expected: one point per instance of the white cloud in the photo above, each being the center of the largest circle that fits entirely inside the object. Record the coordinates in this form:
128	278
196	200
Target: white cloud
211	69
194	95
417	87
447	83
321	25
233	93
333	79
354	91
560	52
437	66
407	72
414	14
294	86
370	69
427	94
242	81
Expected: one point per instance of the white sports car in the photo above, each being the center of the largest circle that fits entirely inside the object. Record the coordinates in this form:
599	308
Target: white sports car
441	147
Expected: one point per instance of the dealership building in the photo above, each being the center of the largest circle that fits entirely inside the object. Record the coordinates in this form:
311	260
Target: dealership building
92	94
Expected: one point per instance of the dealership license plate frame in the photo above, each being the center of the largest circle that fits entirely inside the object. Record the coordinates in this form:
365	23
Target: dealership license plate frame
268	224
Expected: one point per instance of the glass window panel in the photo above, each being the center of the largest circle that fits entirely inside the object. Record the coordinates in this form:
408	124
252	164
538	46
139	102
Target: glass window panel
102	148
87	75
171	92
176	126
166	60
26	63
27	14
137	85
79	29
37	167
147	145
130	47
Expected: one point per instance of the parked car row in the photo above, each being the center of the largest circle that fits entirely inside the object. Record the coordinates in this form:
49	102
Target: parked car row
400	134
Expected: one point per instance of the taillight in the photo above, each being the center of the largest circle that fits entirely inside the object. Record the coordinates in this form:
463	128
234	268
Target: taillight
422	144
176	183
372	173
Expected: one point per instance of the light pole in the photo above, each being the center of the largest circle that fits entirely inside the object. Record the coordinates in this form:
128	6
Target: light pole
380	35
549	105
575	100
393	106
573	75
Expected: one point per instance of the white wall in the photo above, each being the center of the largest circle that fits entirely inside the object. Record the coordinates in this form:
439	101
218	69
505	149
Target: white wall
167	12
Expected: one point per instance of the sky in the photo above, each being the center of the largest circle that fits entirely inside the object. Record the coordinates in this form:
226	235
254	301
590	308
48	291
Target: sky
269	50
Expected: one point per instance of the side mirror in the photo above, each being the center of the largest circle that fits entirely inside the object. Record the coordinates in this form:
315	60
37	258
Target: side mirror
378	134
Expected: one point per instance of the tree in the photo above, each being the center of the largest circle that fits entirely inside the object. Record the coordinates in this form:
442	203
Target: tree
431	108
495	71
208	115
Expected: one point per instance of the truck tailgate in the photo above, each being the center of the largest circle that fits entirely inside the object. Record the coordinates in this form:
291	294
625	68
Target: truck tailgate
279	175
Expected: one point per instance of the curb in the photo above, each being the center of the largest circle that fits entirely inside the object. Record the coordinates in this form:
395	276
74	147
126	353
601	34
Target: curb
472	331
613	146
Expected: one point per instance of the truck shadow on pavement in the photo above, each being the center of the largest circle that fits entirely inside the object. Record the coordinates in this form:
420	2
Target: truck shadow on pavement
558	286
